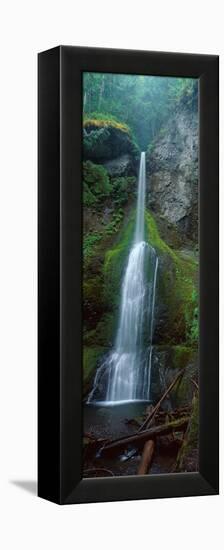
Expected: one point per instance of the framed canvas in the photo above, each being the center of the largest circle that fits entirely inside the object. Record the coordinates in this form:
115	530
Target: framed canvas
128	275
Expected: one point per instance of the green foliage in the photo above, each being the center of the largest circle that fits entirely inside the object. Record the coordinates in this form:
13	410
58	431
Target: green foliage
114	263
114	225
97	186
121	189
89	198
143	103
96	183
96	180
192	320
95	142
106	138
89	241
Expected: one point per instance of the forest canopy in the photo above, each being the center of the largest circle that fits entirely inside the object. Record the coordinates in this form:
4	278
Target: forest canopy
144	103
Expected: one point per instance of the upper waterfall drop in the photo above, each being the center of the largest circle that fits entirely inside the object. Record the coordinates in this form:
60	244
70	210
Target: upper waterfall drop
140	218
125	373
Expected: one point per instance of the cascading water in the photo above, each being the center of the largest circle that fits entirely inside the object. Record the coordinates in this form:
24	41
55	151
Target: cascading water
125	373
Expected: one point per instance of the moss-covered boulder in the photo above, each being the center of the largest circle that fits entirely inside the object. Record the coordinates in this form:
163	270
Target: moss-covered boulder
176	292
105	139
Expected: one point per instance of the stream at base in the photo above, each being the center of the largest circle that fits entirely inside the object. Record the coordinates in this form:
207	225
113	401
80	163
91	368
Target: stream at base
116	421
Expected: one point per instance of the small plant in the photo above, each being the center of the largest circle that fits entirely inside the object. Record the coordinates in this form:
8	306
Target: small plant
192	324
96	183
89	241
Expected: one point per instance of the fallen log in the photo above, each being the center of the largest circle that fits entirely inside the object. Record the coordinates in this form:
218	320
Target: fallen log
147	422
146	459
140	438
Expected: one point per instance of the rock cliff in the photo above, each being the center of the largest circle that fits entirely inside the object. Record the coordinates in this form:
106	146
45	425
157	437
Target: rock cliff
172	171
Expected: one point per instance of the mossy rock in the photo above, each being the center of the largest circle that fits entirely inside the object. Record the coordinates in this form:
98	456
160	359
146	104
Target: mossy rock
105	139
91	357
176	294
115	262
103	332
98	120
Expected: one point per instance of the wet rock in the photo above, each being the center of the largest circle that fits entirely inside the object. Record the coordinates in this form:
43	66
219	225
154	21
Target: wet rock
172	171
120	166
104	142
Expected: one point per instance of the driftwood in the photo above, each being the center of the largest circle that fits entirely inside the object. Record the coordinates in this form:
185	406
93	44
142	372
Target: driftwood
147	457
140	438
148	421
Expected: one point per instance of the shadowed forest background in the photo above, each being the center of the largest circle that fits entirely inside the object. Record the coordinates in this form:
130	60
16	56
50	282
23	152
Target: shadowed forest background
122	116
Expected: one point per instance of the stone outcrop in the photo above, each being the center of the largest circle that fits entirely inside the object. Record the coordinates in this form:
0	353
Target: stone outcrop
110	143
172	172
120	166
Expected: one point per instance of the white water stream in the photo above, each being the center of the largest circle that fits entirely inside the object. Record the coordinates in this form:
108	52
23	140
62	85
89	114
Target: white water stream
125	373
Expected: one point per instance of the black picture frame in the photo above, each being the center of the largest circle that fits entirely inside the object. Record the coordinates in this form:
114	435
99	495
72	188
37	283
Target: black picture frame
60	275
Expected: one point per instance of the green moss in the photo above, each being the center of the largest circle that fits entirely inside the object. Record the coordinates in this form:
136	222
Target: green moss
113	226
180	356
89	243
176	287
92	287
114	263
99	120
96	183
102	334
121	189
91	356
89	198
104	137
193	321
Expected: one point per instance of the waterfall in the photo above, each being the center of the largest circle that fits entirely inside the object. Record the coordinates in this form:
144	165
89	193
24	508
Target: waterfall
125	372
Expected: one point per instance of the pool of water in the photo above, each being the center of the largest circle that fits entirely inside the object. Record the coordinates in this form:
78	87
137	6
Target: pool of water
112	420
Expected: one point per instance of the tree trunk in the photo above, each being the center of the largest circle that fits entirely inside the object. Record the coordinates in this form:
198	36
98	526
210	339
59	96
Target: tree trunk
146	459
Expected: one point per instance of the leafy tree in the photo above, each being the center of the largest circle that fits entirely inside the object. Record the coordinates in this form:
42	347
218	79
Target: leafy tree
142	102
